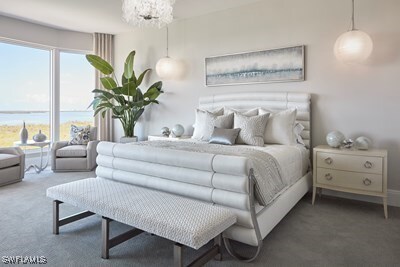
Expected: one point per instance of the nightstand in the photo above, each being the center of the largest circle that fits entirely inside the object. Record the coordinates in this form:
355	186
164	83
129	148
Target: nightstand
166	138
352	171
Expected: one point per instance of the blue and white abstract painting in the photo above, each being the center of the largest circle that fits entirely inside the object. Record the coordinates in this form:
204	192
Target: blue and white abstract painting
276	65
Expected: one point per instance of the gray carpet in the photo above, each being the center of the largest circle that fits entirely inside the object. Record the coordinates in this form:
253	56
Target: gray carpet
335	232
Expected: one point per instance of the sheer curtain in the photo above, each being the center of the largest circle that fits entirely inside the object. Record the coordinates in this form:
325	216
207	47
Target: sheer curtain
104	47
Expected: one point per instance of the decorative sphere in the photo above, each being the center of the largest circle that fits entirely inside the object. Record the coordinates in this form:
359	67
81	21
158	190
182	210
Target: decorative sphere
165	131
353	46
165	68
362	143
178	130
335	138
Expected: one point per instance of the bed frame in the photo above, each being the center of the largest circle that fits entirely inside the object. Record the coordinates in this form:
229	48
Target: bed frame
266	219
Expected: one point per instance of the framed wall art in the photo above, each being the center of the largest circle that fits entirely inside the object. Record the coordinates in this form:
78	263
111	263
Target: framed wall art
266	66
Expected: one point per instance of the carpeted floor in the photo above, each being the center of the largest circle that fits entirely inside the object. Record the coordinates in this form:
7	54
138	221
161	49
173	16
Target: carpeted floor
335	232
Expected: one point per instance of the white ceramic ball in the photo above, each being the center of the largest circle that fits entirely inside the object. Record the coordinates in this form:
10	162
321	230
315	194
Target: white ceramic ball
335	139
362	143
178	130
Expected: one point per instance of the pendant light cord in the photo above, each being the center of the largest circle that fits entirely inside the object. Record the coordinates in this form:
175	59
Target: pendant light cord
167	40
352	16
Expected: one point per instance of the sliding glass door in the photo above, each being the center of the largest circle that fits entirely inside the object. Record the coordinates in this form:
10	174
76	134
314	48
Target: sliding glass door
24	91
76	84
45	97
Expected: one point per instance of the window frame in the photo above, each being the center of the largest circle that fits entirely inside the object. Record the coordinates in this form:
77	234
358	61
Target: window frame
54	94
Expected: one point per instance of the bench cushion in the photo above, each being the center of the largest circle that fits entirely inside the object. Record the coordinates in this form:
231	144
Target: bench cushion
189	222
8	160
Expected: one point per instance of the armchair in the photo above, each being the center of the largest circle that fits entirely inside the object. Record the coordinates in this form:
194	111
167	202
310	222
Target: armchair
66	158
12	165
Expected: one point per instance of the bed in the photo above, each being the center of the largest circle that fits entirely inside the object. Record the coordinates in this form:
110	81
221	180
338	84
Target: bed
224	175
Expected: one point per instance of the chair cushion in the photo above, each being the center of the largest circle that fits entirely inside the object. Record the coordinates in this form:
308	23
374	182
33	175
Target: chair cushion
8	160
74	151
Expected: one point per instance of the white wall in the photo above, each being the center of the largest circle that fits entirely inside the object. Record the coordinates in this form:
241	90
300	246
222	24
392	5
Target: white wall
357	100
15	29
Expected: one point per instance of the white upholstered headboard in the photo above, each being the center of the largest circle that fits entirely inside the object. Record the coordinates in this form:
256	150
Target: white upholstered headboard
273	101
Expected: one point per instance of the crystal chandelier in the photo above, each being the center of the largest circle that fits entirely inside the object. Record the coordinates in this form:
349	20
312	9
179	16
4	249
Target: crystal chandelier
142	13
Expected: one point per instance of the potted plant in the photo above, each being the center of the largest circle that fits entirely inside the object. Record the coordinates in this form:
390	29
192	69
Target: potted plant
126	101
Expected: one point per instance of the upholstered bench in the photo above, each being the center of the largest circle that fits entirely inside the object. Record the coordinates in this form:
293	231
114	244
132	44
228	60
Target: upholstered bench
185	221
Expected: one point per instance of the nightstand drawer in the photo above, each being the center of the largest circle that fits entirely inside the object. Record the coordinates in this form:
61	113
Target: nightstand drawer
350	163
351	180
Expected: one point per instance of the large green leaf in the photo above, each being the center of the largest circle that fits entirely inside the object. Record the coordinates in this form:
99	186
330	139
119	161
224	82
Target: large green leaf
96	101
108	83
117	90
100	64
141	76
138	114
129	89
128	68
138	96
152	94
106	94
157	85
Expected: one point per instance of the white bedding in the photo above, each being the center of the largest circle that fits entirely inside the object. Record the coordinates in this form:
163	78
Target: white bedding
275	166
293	159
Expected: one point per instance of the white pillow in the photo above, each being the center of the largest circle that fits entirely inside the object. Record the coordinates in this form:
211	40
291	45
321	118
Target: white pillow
251	129
246	112
206	121
280	127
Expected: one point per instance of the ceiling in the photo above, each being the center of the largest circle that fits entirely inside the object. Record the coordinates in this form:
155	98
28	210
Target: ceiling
99	15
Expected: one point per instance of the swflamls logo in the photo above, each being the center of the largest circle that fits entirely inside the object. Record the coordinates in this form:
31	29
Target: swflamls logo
24	259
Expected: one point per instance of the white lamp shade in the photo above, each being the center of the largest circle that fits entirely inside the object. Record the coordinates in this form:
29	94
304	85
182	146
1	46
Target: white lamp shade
165	68
353	47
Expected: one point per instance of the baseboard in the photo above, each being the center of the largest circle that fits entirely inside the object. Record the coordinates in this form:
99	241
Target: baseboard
393	197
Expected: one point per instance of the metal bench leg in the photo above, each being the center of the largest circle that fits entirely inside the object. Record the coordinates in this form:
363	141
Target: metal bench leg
108	243
57	222
178	261
56	217
105	236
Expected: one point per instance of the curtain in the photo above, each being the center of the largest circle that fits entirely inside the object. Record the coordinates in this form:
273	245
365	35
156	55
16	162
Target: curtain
104	48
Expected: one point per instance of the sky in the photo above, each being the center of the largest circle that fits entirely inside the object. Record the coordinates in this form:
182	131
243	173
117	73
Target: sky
25	79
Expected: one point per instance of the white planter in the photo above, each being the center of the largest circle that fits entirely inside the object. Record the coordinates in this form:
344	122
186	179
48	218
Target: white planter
126	140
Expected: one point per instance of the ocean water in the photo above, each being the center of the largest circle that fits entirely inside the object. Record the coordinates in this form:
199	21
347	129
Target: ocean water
10	118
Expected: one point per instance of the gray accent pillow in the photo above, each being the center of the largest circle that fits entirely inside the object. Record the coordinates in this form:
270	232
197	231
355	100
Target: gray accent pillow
224	136
252	129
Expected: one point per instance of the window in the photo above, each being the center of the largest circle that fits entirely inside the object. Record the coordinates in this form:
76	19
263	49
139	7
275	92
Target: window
76	84
27	94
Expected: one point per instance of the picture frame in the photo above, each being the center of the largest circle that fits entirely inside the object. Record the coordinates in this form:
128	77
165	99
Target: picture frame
284	64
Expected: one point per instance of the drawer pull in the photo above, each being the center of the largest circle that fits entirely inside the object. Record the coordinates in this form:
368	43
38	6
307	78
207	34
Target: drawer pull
367	181
368	164
328	161
328	176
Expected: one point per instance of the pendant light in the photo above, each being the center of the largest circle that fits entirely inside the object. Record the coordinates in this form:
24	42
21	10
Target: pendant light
165	67
353	46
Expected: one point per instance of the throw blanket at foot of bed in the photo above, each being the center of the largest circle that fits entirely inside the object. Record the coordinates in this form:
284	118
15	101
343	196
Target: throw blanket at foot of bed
188	222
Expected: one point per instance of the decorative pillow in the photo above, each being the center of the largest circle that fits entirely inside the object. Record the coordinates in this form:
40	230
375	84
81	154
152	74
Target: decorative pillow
224	136
280	127
246	112
298	128
252	129
79	135
206	121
